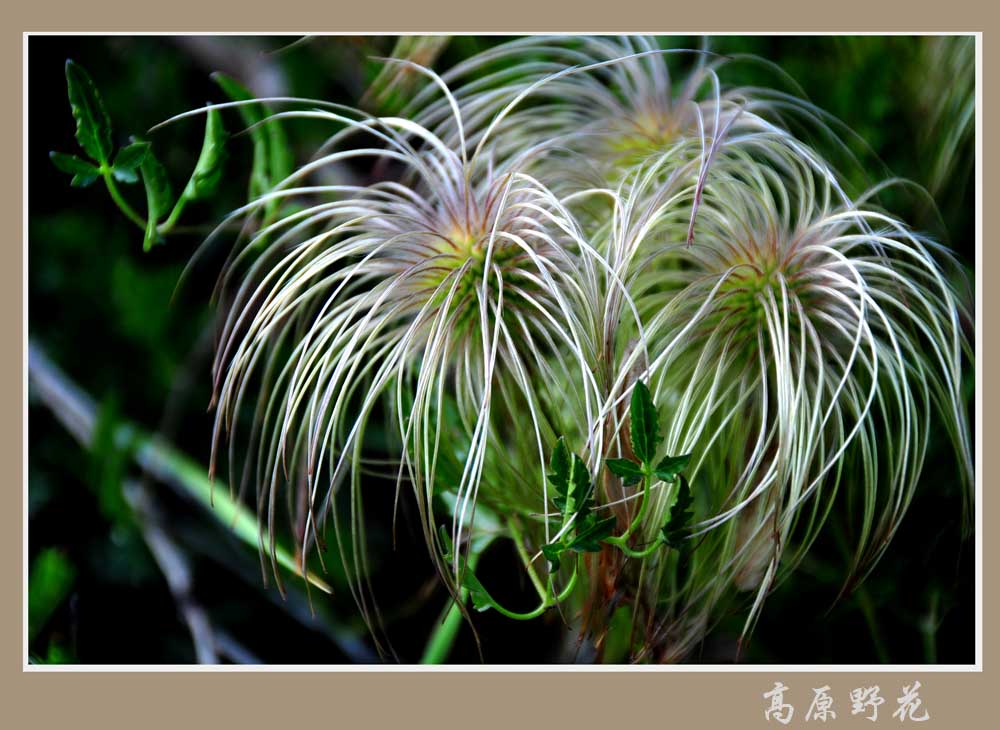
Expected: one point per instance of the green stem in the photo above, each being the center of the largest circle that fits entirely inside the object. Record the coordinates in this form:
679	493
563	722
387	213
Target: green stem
175	214
622	540
443	637
535	580
644	553
547	603
116	196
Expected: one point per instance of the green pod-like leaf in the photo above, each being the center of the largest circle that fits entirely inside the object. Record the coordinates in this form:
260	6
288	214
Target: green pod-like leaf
253	115
208	170
272	159
280	156
159	196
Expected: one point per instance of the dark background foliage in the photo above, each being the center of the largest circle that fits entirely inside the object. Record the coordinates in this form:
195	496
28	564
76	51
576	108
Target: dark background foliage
112	317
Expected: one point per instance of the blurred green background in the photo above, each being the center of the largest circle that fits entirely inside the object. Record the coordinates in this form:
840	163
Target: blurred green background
107	314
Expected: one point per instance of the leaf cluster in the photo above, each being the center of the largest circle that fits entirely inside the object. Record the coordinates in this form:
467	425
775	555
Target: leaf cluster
569	476
134	161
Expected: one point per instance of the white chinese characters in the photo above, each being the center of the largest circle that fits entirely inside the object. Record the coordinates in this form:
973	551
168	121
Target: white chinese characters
864	701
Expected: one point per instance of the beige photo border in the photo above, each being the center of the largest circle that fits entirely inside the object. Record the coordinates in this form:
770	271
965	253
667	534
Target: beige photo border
489	697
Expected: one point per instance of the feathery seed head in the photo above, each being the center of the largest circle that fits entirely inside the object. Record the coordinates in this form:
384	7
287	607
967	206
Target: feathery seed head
560	230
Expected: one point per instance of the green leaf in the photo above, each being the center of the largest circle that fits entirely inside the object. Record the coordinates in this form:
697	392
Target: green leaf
481	599
394	85
49	582
128	161
253	115
552	553
571	479
125	175
280	153
628	470
93	127
671	466
272	161
590	534
208	170
576	497
73	165
559	466
645	424
83	172
676	528
158	196
131	156
447	549
82	180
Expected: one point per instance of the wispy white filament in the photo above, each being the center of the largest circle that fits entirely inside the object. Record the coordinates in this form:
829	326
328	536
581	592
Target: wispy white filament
564	222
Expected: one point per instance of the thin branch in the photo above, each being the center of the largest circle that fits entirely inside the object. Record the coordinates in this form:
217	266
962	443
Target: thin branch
175	568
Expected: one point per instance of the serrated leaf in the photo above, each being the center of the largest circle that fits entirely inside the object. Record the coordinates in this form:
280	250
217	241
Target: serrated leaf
73	165
552	553
208	170
644	424
676	529
671	466
83	180
590	534
93	126
559	467
131	156
158	196
128	161
83	172
481	599
627	470
578	500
